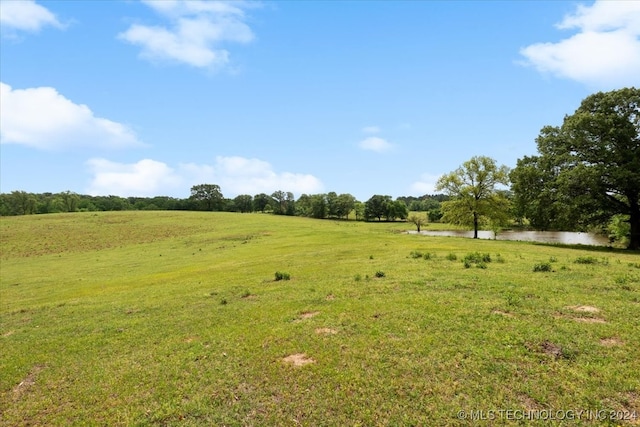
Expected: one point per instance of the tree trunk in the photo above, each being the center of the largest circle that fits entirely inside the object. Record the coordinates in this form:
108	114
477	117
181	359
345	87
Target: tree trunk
634	220
475	225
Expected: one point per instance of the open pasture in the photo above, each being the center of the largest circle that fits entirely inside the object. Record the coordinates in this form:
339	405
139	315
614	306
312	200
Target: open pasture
176	318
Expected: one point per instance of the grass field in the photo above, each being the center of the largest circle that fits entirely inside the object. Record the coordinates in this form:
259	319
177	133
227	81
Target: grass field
175	318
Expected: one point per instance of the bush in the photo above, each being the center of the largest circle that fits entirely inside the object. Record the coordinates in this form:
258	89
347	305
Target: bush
379	273
542	267
282	276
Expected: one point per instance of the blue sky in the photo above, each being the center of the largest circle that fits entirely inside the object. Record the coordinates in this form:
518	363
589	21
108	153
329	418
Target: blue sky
143	98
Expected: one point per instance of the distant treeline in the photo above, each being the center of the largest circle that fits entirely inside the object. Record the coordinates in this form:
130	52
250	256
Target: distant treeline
208	197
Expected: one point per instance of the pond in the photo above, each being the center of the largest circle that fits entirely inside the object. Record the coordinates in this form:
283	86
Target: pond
564	237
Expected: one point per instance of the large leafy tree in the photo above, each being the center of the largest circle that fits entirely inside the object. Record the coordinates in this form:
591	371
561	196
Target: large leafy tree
377	207
474	196
208	196
588	169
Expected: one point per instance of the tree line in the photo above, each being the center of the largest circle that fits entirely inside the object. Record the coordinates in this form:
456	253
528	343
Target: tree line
585	177
209	197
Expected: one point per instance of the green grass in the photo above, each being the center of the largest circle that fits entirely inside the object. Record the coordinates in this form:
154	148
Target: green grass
176	318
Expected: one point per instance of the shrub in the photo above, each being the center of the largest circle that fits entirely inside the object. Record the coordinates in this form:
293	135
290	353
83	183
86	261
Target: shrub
542	267
586	260
427	255
282	276
477	257
379	273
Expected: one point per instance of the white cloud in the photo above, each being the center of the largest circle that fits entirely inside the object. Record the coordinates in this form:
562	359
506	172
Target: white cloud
26	15
374	143
42	118
239	175
425	185
605	53
371	129
234	175
144	178
194	34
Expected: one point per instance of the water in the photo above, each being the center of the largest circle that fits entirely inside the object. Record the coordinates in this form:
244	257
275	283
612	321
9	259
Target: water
564	237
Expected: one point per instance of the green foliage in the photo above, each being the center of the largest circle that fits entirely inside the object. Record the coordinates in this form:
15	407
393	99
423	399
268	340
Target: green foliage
280	275
591	260
451	256
379	274
475	199
542	267
418	220
477	257
587	170
208	196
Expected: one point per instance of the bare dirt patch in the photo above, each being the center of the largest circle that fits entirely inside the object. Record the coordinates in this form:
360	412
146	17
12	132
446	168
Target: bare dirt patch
308	315
611	342
7	334
28	382
502	313
330	297
551	349
298	359
326	331
528	402
584	308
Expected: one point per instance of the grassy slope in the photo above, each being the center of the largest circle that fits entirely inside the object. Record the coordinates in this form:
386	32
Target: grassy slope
173	318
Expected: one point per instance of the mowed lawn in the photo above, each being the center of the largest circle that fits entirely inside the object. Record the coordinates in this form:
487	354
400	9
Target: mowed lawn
175	318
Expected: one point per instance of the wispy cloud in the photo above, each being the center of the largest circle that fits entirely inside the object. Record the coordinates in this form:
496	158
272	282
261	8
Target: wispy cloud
605	52
235	175
43	118
426	184
374	143
371	129
26	15
194	33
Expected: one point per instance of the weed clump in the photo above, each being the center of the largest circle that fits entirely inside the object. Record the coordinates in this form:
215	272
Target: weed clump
380	274
480	260
542	267
280	275
452	257
415	254
590	260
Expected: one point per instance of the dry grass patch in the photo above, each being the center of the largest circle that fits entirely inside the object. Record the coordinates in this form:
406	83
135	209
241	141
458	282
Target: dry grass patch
589	319
611	342
326	331
28	382
584	308
502	313
298	359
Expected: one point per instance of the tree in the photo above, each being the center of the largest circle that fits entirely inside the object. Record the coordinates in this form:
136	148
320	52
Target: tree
376	207
244	203
588	169
260	202
473	190
208	196
417	220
